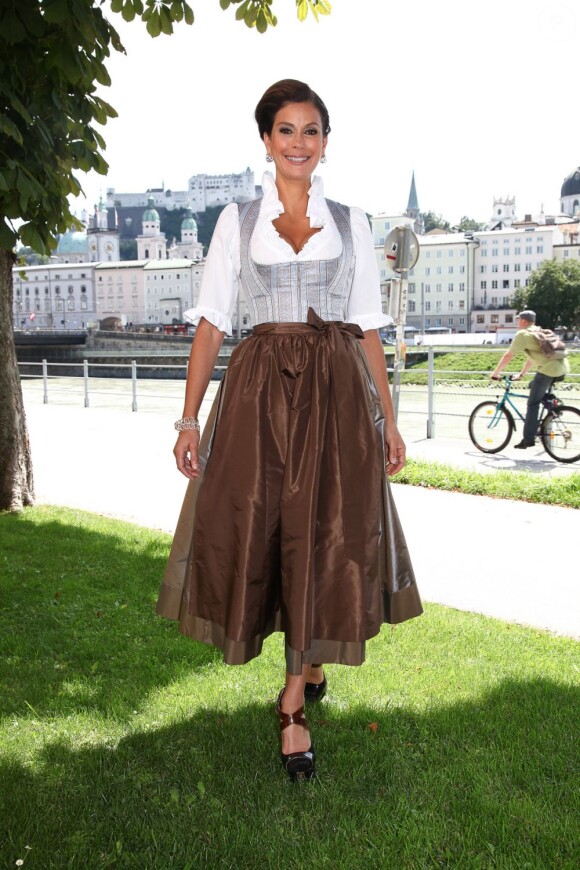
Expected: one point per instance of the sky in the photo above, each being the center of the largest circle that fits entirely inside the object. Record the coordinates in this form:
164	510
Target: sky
477	98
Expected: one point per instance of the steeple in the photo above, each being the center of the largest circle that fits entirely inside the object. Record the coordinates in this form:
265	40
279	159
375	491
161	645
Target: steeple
412	209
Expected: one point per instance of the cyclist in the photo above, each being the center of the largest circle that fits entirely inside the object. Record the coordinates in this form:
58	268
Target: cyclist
547	371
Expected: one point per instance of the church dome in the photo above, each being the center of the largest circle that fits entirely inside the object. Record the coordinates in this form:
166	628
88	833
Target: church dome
188	223
571	186
150	213
73	242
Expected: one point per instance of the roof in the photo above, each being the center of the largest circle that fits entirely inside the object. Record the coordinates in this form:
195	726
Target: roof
73	242
188	223
571	185
150	213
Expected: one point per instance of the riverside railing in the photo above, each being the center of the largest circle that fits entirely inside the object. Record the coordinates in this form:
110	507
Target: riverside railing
443	402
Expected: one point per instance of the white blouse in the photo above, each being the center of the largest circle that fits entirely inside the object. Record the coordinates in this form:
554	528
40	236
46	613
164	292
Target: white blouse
221	274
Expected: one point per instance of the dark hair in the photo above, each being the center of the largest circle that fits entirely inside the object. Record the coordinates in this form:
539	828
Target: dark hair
280	94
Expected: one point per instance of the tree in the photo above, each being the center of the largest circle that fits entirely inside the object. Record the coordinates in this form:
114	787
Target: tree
432	221
467	225
53	57
554	294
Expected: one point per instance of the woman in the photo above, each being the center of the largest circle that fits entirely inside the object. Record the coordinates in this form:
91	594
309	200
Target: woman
288	522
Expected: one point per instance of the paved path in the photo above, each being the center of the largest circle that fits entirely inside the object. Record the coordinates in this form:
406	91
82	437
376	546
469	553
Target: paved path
501	558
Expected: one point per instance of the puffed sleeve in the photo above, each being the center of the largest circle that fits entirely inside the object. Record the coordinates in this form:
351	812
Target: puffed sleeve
364	304
221	272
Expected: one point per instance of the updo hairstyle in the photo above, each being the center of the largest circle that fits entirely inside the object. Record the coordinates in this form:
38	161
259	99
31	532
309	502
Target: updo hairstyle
280	94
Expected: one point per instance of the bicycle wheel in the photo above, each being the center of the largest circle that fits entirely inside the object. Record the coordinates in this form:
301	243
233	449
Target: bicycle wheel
490	427
560	434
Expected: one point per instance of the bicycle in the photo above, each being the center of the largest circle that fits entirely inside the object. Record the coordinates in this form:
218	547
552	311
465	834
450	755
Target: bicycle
492	424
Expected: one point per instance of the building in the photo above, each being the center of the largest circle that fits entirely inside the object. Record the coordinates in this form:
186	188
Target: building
202	191
188	248
151	244
97	242
570	193
120	292
171	287
56	296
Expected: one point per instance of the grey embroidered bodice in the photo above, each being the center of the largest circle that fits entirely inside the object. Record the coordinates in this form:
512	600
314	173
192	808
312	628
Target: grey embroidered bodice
283	292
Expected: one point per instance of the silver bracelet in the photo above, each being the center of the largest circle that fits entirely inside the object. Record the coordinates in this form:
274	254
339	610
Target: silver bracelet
187	423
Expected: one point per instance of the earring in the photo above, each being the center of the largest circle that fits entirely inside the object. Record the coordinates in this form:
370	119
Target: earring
269	158
323	158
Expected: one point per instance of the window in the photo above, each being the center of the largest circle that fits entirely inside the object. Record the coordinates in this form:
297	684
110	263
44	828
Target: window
428	254
438	270
528	267
495	318
494	252
438	288
450	321
509	318
450	287
462	270
450	305
517	282
480	318
494	300
494	285
518	267
517	251
506	284
438	254
462	321
450	253
428	269
462	304
438	305
495	268
462	287
427	306
411	306
506	267
539	249
484	253
483	285
528	249
450	270
483	269
411	287
427	288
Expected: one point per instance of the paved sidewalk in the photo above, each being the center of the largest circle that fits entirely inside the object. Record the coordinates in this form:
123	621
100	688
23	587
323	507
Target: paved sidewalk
474	553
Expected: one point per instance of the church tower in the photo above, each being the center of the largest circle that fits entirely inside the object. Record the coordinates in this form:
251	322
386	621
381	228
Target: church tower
504	212
103	242
188	248
570	193
151	243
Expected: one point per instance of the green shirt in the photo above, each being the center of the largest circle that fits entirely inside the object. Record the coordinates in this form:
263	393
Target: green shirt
525	341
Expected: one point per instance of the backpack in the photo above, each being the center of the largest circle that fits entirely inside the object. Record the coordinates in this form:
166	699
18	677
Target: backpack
551	344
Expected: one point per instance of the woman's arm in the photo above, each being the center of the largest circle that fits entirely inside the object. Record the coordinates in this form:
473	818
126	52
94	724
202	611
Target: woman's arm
202	359
395	446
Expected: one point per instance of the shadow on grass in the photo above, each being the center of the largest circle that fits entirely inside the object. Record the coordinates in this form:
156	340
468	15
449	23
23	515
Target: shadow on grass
488	783
77	615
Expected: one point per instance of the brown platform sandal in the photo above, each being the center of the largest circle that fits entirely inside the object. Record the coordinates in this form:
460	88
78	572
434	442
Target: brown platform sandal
299	765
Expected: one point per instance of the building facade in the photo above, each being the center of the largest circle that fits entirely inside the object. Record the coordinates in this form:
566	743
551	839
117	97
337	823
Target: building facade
202	191
57	296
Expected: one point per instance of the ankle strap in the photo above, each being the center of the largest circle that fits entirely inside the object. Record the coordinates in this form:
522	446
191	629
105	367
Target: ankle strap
287	719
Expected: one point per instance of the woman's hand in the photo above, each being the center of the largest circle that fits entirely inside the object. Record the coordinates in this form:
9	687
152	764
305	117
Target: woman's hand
186	452
395	451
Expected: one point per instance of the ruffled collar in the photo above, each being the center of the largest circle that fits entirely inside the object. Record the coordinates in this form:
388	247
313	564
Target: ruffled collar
271	206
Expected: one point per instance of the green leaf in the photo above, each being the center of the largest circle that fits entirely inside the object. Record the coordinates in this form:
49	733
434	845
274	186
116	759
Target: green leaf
241	11
302	9
116	5
188	13
224	4
138	6
165	18
261	22
176	11
128	12
10	129
30	236
8	236
154	25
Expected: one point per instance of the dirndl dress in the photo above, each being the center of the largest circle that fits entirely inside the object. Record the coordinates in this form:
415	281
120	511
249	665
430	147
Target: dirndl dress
291	525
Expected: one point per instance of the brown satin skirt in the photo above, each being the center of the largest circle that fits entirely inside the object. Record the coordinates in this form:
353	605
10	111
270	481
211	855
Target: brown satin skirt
291	526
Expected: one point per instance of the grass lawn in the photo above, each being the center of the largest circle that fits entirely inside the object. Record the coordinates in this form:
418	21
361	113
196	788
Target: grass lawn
123	744
517	485
472	363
